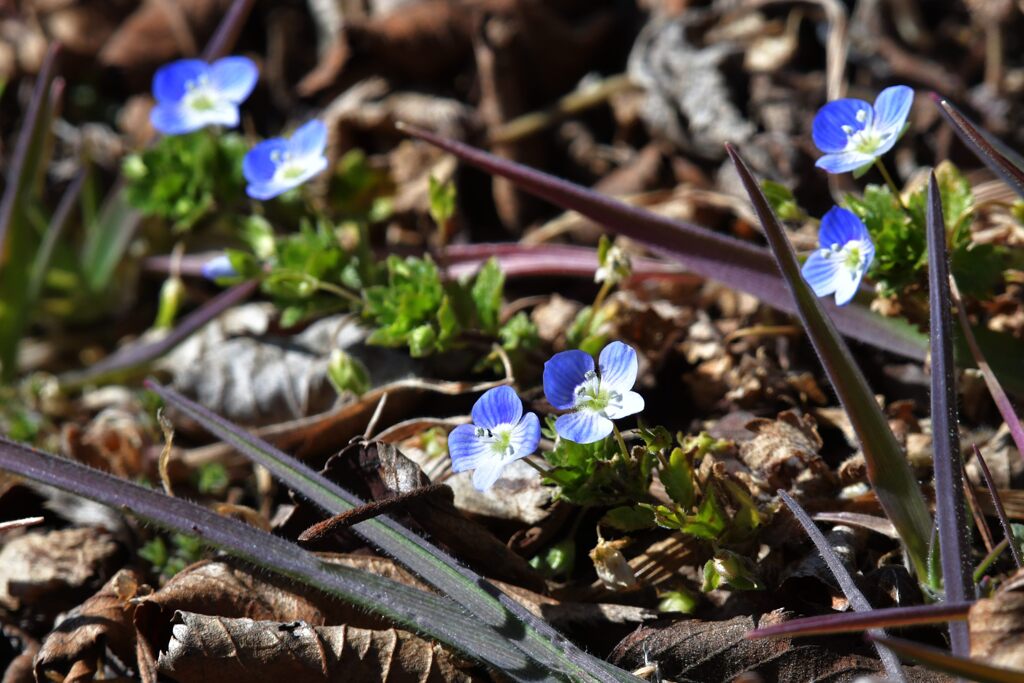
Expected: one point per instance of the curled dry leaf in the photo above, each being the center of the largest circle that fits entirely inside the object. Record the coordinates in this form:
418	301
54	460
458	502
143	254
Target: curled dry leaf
997	626
611	565
237	369
718	652
79	641
784	451
43	574
218	648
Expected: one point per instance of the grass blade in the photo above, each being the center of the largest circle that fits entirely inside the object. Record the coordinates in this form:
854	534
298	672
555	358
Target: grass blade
740	265
408	607
938	660
852	622
846	582
887	468
950	508
1001	160
997	503
481	598
228	30
133	360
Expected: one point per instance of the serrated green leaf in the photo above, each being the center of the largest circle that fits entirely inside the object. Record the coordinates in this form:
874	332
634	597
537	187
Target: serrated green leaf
487	290
677	477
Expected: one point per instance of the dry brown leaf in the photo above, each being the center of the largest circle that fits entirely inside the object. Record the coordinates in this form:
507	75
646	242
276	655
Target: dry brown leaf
19	669
784	451
694	651
43	574
80	640
997	626
213	648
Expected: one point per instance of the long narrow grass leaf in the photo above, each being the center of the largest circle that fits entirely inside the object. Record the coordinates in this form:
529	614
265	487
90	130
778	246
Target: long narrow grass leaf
1001	160
887	468
228	30
851	622
740	265
939	660
135	359
495	609
995	389
843	578
54	231
408	607
997	503
950	508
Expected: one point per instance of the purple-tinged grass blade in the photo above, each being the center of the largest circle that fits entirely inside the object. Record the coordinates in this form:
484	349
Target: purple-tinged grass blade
133	360
939	660
740	265
18	240
997	503
852	622
518	260
228	30
408	607
888	471
107	240
995	389
1001	160
950	508
478	596
843	578
880	525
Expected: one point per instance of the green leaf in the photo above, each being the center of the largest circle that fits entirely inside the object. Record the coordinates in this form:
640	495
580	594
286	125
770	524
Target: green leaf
519	333
347	373
677	477
442	200
422	341
782	201
628	518
486	292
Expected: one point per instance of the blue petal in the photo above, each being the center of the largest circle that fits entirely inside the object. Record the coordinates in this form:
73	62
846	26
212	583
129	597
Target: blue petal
840	226
892	108
487	474
821	272
259	165
497	406
845	162
466	449
218	267
171	80
618	366
268	190
173	119
827	129
563	372
309	139
234	78
525	436
583	426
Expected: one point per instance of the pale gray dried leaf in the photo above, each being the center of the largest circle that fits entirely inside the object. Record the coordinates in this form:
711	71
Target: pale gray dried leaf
235	368
784	451
45	573
688	99
997	628
211	648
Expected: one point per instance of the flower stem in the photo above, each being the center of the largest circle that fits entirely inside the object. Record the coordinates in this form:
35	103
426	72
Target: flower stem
602	294
622	443
889	181
531	463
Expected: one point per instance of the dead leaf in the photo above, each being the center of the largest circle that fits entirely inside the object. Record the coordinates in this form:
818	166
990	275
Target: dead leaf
43	574
694	651
997	627
610	564
784	451
214	648
79	641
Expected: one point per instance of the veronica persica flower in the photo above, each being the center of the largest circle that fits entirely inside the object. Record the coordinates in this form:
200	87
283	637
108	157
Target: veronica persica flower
844	255
500	433
277	165
191	94
596	398
853	133
218	267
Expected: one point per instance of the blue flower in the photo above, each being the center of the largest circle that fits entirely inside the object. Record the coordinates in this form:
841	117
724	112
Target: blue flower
191	94
844	255
218	267
571	383
277	165
852	133
500	433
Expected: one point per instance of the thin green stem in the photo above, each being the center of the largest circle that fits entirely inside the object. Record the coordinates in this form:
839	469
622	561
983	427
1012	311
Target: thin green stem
622	443
602	294
531	463
990	559
889	181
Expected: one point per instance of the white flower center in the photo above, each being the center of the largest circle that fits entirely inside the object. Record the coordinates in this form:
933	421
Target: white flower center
199	95
499	439
852	254
594	396
287	167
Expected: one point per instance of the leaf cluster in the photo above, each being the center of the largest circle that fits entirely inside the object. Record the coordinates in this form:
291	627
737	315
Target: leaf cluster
184	178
